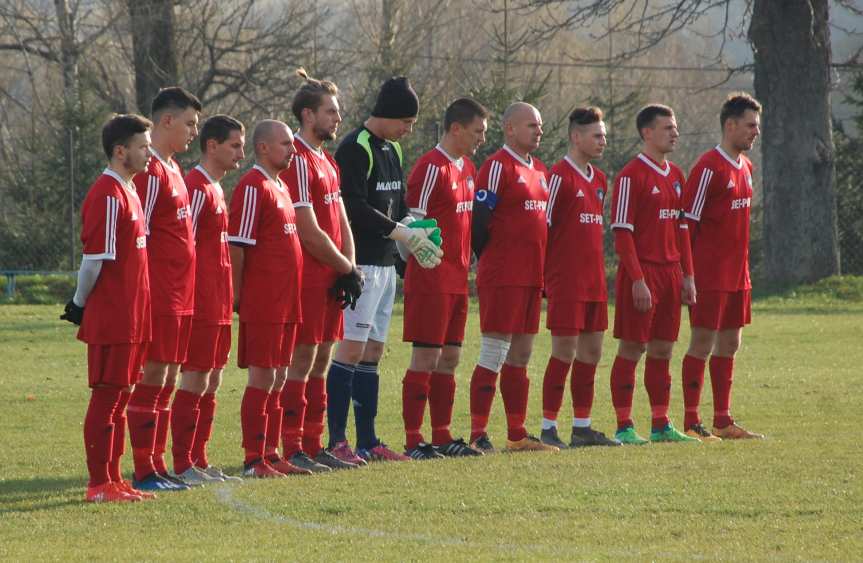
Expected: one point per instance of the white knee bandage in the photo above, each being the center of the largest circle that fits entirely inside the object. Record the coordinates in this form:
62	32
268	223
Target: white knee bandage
492	353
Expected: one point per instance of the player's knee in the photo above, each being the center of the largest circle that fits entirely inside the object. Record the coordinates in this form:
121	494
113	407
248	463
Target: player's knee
660	349
215	381
590	354
492	353
727	347
563	348
449	359
373	351
320	365
631	350
194	382
424	359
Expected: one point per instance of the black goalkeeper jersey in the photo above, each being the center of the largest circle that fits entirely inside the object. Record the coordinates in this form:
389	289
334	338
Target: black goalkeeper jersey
373	190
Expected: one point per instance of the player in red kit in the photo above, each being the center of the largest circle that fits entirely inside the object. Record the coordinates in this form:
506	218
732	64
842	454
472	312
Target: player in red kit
654	274
328	263
716	201
112	303
509	235
192	413
440	187
267	262
171	253
575	280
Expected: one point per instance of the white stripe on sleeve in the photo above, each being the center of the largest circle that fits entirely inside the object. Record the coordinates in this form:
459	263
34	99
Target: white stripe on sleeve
700	195
303	179
494	173
198	200
250	203
553	189
622	212
428	186
150	199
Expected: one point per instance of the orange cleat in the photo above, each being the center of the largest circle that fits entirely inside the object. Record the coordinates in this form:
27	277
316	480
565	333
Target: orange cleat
260	469
529	444
127	487
734	432
109	492
699	432
286	467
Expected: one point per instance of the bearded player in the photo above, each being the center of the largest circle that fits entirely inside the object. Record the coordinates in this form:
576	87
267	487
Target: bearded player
717	200
575	284
440	187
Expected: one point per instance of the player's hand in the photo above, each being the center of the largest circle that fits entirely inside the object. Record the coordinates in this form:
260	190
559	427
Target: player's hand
641	296
419	244
73	313
688	293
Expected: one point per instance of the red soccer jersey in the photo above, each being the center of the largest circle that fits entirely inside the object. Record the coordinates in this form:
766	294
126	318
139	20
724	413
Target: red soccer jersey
113	231
574	262
716	200
313	181
171	242
440	187
262	219
213	291
647	201
518	191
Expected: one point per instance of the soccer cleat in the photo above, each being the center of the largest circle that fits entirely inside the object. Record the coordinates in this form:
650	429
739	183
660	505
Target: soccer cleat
549	437
671	434
219	475
261	469
483	444
177	481
282	465
628	437
326	458
457	448
699	432
423	451
127	487
343	451
734	432
301	460
381	452
585	437
195	477
530	444
156	483
109	492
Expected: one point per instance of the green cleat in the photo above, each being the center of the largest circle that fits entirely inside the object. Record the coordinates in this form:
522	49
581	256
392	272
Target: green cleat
671	434
628	437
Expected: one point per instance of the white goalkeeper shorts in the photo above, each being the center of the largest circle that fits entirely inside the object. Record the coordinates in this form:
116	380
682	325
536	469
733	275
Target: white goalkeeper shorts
371	319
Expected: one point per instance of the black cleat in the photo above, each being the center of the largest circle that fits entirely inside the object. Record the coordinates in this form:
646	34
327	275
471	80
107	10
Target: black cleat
583	437
550	438
423	451
331	461
483	444
457	448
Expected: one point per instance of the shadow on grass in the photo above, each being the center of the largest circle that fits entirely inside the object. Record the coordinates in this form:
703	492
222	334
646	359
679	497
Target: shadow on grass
39	494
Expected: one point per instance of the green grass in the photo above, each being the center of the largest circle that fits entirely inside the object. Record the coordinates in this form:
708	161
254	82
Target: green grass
796	495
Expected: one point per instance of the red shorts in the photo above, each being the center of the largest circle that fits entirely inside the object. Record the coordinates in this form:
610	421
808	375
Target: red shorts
435	319
209	347
509	310
266	345
119	365
569	318
170	339
662	321
322	317
721	310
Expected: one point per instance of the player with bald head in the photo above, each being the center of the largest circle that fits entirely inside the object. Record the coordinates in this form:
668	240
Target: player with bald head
509	229
267	264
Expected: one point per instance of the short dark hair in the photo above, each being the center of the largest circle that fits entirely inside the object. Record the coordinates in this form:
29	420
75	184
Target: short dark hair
311	93
463	111
174	97
736	104
119	129
648	114
584	116
218	127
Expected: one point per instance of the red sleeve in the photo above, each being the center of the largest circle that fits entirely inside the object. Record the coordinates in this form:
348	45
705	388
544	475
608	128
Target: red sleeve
557	190
199	201
697	190
622	200
488	182
422	182
148	186
296	177
245	215
624	245
99	226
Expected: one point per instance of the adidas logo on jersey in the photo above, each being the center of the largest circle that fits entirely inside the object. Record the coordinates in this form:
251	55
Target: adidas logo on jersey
730	185
655	190
174	192
579	194
521	180
454	186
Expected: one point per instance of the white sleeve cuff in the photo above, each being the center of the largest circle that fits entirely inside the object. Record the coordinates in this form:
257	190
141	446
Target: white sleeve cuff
626	226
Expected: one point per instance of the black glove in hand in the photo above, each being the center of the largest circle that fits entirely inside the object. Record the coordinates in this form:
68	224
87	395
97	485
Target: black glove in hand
73	313
348	288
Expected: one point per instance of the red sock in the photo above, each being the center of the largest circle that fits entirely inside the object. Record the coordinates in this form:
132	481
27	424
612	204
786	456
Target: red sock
316	408
163	425
253	419
622	388
483	384
721	378
99	432
275	412
141	413
581	387
294	404
693	380
204	430
657	380
184	421
441	399
415	393
514	387
118	445
553	386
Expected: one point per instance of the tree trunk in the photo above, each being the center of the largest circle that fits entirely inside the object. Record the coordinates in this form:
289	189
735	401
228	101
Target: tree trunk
153	47
791	42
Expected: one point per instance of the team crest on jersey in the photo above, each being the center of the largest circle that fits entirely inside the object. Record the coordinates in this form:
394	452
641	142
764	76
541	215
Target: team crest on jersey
470	182
454	186
677	188
600	194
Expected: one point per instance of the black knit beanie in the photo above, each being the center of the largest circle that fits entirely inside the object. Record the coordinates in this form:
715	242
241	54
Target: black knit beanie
396	100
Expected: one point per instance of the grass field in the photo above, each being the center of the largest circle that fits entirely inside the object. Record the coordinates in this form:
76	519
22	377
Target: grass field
796	495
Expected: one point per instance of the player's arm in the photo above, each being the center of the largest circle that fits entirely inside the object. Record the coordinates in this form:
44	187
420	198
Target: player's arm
243	221
696	196
485	201
318	243
238	260
148	187
688	289
622	213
